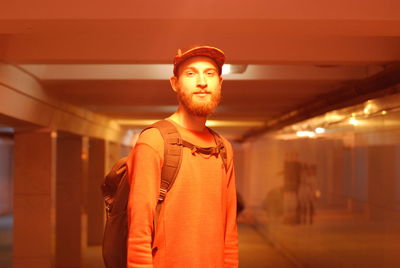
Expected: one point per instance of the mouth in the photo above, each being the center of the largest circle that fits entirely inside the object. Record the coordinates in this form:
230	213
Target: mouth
202	93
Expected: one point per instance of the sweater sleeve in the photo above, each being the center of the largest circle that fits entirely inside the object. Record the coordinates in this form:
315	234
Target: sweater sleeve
144	169
231	258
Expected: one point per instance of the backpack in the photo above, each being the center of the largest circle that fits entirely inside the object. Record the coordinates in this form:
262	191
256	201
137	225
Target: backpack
116	189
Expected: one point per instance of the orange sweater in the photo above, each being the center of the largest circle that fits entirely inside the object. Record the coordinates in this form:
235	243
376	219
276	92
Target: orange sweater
197	223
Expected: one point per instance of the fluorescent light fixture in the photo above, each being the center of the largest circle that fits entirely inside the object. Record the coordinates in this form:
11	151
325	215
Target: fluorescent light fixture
227	123
234	69
305	133
370	107
319	130
226	69
209	123
353	121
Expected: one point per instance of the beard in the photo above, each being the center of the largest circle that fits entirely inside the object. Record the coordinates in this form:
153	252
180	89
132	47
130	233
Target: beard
199	108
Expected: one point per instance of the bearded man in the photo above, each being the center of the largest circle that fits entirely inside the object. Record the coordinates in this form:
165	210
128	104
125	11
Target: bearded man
196	226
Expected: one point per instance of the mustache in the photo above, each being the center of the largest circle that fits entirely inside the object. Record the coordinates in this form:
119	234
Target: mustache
202	92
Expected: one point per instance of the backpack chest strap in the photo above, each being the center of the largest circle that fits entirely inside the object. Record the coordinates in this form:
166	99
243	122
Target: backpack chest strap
196	149
173	145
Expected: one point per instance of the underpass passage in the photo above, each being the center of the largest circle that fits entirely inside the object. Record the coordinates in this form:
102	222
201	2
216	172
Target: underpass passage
323	193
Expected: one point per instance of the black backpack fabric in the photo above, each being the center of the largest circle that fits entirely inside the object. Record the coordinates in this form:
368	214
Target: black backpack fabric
116	188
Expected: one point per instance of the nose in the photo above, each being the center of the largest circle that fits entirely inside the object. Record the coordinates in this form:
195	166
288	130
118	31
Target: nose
201	81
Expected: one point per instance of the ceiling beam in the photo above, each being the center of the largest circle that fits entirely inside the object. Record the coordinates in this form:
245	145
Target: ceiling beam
81	48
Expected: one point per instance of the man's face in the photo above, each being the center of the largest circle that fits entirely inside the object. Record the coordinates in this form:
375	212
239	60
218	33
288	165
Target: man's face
198	86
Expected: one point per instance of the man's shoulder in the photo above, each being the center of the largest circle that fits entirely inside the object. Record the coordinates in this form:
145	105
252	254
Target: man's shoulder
214	132
226	142
152	137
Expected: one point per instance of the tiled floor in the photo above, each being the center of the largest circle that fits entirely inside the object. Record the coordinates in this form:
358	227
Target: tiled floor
339	239
336	240
256	252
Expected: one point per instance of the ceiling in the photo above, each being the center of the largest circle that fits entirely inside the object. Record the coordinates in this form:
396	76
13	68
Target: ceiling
114	57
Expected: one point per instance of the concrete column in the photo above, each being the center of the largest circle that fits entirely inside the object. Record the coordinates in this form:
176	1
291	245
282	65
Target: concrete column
34	199
70	187
95	209
6	163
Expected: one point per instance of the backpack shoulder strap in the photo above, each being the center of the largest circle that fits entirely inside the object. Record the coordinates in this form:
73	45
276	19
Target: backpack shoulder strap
221	146
172	155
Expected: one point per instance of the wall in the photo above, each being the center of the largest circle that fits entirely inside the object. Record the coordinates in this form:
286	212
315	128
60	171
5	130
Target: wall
357	181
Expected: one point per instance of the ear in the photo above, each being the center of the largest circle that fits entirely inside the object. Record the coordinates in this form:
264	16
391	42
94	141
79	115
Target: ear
174	81
220	82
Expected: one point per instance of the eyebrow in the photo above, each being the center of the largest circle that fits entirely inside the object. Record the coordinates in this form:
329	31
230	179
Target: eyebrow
194	69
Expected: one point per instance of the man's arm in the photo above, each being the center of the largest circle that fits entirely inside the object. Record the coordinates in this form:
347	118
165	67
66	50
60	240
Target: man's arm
231	258
144	169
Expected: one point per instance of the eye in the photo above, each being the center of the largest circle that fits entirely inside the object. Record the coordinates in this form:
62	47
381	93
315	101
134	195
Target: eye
210	73
189	73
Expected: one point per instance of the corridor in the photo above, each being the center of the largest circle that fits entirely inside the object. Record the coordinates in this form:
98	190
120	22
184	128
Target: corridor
307	92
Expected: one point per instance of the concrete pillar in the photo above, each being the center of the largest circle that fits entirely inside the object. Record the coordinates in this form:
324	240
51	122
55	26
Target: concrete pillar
95	209
34	199
6	163
70	216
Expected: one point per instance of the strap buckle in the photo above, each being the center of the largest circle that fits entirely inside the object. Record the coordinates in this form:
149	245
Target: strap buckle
163	193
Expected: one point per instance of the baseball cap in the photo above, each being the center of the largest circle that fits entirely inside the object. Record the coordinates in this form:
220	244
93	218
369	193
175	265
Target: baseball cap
216	54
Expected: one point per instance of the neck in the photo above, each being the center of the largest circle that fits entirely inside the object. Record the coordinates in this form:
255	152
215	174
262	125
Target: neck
188	121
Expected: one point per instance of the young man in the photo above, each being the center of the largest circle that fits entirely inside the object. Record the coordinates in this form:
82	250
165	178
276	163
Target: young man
196	226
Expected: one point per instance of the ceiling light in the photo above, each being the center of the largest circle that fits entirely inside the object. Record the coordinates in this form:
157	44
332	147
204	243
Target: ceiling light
370	107
233	69
209	123
305	133
227	123
353	121
226	69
